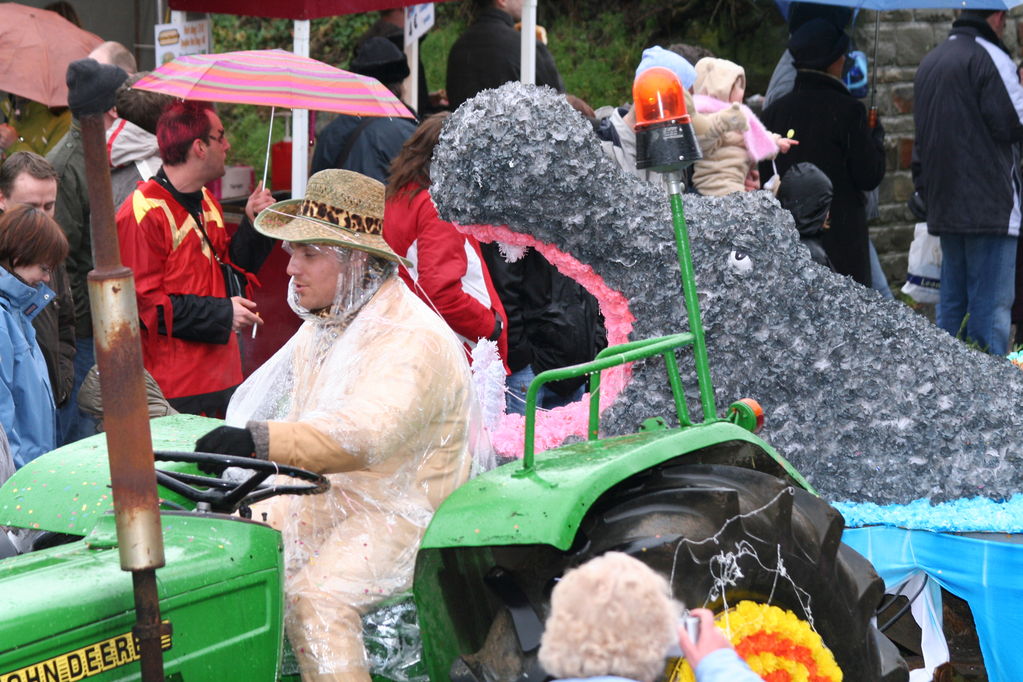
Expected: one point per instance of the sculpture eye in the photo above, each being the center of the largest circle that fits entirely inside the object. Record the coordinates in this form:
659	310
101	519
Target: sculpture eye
740	262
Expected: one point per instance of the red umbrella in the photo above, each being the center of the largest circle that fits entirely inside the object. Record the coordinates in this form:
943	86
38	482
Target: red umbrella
36	47
288	9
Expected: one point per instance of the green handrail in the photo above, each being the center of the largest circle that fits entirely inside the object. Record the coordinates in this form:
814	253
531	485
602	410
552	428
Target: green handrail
643	348
612	356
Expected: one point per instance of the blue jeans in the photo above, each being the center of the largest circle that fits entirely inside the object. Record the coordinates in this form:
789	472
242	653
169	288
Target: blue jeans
978	278
517	383
72	423
878	281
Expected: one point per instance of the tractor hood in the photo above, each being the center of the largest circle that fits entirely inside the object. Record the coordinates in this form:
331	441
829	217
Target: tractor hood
68	610
68	489
546	505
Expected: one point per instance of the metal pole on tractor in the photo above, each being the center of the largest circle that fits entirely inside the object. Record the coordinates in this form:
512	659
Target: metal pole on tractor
125	414
666	144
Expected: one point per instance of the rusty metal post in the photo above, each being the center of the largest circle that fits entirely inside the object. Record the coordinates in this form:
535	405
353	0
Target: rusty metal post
125	414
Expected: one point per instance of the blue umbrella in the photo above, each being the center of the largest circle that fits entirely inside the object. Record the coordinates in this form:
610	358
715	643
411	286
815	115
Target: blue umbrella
884	5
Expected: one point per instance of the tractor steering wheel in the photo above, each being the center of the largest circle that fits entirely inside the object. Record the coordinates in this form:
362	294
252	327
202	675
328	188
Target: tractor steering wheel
226	496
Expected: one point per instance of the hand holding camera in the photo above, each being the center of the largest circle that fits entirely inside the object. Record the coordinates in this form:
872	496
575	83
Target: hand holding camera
698	636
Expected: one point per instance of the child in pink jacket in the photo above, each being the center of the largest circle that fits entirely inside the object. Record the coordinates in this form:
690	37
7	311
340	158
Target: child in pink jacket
728	159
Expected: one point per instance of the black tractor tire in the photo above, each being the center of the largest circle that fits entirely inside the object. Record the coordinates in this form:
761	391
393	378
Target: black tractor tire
723	534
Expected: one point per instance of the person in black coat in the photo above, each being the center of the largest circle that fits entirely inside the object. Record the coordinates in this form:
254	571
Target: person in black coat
487	55
968	113
553	322
831	126
368	144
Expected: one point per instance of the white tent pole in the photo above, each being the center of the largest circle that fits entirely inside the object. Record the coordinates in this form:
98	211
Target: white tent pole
300	123
528	56
412	82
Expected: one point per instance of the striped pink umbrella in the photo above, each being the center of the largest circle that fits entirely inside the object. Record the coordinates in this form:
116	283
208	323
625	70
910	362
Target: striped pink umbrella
273	78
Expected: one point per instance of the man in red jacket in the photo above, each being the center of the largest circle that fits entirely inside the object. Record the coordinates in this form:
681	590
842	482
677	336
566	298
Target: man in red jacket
173	237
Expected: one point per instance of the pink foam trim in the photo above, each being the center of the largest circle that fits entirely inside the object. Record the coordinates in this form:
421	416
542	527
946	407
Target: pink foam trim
554	426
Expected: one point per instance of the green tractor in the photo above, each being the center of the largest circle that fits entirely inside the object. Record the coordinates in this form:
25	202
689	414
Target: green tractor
709	504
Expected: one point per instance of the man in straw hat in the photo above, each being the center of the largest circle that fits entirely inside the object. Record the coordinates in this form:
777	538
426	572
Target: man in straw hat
373	390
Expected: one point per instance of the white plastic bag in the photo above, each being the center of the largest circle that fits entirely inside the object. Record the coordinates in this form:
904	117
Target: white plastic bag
923	277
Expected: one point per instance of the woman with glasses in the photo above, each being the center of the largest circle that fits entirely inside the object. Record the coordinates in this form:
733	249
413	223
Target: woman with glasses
31	246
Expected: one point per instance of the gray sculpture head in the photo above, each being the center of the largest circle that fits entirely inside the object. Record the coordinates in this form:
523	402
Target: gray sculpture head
869	400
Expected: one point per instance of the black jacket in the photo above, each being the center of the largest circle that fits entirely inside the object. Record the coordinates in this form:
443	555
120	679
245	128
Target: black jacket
55	332
377	141
487	56
552	321
966	153
831	126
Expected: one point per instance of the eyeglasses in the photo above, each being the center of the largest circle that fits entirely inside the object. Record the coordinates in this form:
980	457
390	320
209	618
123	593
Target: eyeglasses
219	137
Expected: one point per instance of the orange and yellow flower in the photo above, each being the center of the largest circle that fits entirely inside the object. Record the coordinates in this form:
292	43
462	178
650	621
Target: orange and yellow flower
777	645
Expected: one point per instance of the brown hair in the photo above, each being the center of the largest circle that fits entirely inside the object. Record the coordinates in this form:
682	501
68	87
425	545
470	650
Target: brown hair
141	107
24	162
66	10
412	165
30	237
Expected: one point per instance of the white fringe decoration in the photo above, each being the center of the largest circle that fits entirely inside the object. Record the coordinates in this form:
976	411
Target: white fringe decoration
488	379
511	252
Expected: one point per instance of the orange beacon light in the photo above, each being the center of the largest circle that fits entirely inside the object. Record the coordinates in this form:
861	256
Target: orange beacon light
665	140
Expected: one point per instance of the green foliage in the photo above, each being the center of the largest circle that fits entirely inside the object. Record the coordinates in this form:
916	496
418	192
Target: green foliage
596	45
596	58
331	40
451	20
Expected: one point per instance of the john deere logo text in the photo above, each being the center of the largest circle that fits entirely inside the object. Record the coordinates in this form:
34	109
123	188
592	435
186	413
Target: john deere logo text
85	662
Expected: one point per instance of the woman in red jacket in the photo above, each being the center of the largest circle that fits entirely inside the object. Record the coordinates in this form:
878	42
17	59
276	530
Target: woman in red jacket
447	270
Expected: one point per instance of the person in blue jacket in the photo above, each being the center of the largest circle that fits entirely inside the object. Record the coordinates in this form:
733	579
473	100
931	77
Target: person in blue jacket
613	619
31	246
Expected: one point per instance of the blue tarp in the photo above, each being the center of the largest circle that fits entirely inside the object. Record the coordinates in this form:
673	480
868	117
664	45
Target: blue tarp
984	572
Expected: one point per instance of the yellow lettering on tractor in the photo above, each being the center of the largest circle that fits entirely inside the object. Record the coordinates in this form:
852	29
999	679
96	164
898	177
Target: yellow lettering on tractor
85	662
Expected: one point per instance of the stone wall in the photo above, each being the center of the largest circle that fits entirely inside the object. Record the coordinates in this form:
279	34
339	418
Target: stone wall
903	38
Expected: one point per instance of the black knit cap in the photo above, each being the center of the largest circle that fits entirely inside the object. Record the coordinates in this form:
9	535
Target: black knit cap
977	14
802	12
381	59
92	86
817	44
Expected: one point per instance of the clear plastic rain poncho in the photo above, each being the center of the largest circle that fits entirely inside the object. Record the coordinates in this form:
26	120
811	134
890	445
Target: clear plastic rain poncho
376	392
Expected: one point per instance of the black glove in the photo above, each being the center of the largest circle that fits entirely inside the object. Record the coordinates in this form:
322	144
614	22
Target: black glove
225	440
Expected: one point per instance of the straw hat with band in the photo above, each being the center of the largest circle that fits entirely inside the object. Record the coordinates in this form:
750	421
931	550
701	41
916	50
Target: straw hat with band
341	208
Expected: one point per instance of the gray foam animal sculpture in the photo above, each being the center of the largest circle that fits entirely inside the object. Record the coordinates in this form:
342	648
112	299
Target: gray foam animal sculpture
865	397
